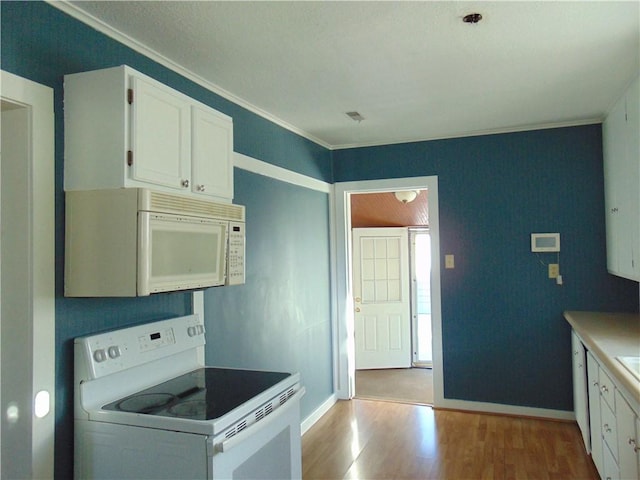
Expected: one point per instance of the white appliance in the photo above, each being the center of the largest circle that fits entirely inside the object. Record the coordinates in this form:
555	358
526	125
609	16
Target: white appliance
134	241
147	408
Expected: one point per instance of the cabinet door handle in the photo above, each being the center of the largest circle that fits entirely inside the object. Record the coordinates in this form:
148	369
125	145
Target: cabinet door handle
632	442
606	428
604	389
200	188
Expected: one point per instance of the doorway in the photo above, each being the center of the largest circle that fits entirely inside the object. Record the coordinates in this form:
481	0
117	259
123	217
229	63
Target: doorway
345	324
27	310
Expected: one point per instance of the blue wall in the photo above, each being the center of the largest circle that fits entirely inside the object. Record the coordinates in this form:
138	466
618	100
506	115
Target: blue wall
43	44
282	313
504	337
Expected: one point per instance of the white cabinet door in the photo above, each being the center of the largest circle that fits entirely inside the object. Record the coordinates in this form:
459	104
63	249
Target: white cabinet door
160	135
212	149
580	405
124	129
627	439
597	453
621	148
382	300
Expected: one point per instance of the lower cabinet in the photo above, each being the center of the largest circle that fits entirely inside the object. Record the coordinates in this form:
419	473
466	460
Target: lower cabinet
614	423
580	395
628	425
594	413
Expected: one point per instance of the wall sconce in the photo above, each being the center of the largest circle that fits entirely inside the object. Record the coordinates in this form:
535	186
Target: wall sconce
406	196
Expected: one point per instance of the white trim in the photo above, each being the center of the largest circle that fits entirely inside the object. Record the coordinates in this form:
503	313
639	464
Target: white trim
317	414
500	409
268	170
479	133
39	196
102	27
343	320
197	308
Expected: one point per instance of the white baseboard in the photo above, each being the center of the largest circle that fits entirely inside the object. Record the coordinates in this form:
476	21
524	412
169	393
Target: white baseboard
318	413
500	409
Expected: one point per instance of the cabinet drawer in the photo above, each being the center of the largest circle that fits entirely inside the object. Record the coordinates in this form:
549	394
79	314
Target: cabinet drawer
611	471
607	390
609	430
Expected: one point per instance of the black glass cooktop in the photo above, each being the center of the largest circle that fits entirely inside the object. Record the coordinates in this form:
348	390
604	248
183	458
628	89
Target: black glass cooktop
203	394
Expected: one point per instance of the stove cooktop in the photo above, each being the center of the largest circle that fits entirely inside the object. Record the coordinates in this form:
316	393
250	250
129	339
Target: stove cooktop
202	394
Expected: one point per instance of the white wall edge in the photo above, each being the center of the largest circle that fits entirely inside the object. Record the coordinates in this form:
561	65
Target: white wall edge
279	173
501	409
40	170
317	414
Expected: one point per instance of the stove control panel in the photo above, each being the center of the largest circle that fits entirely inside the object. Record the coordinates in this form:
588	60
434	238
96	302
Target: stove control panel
111	352
157	339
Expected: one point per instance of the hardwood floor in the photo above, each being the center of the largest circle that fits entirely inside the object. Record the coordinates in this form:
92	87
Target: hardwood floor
364	439
407	385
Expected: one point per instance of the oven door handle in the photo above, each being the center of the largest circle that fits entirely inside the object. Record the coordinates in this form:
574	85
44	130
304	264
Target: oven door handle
268	420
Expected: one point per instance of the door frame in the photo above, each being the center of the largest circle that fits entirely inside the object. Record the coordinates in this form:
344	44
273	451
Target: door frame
39	283
344	346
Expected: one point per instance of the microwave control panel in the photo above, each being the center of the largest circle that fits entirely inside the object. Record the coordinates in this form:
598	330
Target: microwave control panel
236	253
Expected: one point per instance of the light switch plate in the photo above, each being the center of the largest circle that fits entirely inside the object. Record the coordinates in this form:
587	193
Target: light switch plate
449	261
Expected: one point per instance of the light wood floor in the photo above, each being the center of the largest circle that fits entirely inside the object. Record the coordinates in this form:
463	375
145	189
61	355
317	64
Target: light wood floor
409	385
364	439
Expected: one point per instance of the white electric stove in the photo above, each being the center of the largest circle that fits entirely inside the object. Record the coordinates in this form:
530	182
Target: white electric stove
147	407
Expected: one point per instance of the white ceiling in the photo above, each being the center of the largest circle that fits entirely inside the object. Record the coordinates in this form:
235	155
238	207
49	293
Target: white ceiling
413	70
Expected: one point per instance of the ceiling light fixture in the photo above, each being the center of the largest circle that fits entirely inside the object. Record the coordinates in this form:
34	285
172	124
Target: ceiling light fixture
406	196
472	18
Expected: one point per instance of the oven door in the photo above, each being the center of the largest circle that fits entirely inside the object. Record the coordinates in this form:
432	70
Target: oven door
268	449
180	252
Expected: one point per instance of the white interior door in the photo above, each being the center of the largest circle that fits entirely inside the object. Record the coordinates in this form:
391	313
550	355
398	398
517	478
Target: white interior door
27	309
381	298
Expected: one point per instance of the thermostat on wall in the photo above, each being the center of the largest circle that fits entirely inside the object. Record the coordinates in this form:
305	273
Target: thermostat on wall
545	242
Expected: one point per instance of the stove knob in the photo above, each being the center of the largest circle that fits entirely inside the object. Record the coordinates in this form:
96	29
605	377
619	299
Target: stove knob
114	351
99	355
191	331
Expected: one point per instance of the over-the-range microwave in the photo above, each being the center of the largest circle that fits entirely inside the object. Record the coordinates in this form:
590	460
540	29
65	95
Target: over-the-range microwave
131	242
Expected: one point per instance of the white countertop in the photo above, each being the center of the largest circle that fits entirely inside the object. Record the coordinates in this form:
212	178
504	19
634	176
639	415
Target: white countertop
611	335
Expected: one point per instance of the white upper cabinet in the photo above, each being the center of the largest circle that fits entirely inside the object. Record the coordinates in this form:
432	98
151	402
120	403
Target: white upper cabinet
211	150
124	129
621	143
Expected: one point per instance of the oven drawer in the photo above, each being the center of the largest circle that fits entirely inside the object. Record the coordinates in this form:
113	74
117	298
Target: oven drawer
270	448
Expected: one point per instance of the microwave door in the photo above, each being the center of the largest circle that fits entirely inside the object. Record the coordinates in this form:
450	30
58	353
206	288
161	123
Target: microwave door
180	253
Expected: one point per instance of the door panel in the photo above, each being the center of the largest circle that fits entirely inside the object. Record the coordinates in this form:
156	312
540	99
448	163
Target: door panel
381	294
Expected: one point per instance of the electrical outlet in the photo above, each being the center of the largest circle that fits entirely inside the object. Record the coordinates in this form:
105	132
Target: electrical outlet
554	270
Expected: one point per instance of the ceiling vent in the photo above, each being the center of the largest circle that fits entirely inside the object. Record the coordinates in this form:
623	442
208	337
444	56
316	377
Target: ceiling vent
355	116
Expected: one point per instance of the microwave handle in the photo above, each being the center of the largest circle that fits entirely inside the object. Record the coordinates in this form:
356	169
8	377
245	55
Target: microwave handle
227	445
